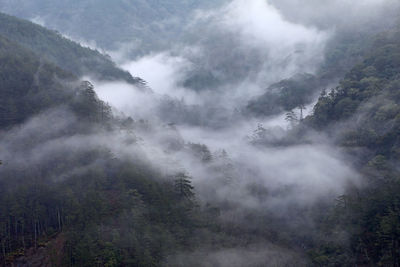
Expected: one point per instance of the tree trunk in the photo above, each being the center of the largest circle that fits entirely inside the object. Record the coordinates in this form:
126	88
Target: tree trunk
59	220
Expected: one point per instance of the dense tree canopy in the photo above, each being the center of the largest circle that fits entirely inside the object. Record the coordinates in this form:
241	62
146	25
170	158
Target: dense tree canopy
62	52
68	199
363	112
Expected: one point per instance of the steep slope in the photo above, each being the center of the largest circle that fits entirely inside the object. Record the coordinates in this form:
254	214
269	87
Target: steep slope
75	187
150	25
62	52
346	48
365	88
28	84
286	95
363	116
65	198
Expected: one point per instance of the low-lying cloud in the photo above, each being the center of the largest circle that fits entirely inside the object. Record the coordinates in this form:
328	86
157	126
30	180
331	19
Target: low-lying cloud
199	87
244	46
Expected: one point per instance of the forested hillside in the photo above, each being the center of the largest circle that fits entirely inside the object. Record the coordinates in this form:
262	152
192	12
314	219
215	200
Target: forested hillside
225	163
28	84
76	204
62	52
347	48
145	25
363	115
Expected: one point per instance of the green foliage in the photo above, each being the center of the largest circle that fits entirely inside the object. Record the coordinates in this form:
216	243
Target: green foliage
114	213
345	49
285	95
183	187
110	212
30	85
68	55
148	24
27	84
201	152
374	77
364	112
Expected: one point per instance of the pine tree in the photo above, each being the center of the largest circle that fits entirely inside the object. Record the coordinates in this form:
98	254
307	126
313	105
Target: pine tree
292	118
183	186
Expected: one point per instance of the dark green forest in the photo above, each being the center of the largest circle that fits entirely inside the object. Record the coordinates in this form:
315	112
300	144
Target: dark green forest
147	215
150	24
370	216
68	55
77	190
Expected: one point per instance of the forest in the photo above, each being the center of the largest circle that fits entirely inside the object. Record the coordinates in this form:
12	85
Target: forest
199	136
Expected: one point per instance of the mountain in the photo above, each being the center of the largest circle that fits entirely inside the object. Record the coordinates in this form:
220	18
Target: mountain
61	189
28	85
362	115
83	184
286	95
147	24
346	48
76	187
62	52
